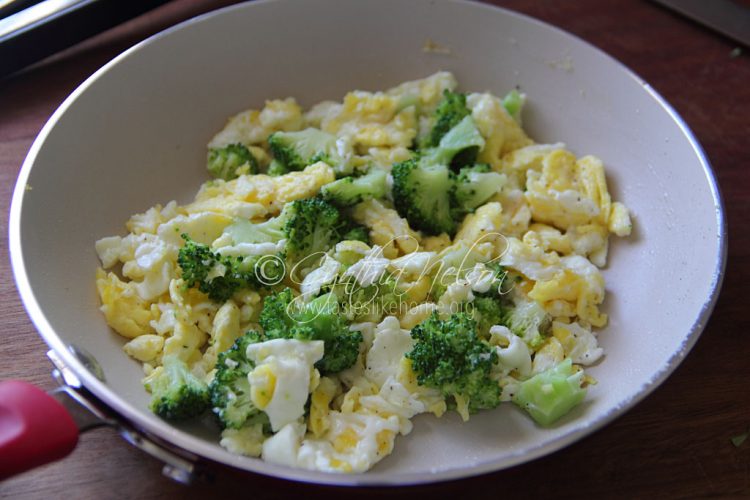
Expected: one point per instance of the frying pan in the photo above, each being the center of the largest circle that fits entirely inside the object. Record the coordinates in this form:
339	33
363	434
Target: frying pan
134	135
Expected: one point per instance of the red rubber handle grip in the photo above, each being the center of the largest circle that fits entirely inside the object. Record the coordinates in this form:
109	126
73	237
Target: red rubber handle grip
35	429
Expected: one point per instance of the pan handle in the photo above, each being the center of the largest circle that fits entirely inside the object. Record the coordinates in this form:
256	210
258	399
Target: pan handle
35	428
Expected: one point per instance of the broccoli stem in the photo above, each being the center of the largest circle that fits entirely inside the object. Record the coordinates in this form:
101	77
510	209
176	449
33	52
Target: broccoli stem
349	191
549	395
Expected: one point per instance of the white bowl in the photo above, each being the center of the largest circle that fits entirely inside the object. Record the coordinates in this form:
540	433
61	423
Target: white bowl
134	135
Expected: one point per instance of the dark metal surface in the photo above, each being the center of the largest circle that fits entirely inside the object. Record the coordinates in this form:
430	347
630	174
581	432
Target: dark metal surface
43	29
725	16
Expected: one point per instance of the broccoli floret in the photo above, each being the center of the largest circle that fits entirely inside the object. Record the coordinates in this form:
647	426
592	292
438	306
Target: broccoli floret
230	388
458	148
423	187
474	186
220	276
449	356
270	231
454	138
356	232
487	312
198	262
422	194
276	317
349	191
276	168
285	317
513	103
313	226
551	394
296	150
451	110
528	320
310	227
177	394
230	161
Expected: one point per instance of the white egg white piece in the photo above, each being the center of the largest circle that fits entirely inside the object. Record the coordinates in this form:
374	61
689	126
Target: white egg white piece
389	345
319	277
369	269
282	447
514	355
284	367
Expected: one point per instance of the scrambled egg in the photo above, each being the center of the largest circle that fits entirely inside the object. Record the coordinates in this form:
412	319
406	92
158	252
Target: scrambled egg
549	225
372	121
253	127
282	377
250	197
387	228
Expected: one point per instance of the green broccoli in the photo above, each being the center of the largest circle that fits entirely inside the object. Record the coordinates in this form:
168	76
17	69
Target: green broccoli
177	394
349	191
230	161
513	103
355	232
458	148
276	168
230	388
487	311
454	138
422	194
449	356
297	150
198	262
549	395
451	110
283	316
220	276
270	231
306	221
423	186
528	320
310	227
314	226
474	186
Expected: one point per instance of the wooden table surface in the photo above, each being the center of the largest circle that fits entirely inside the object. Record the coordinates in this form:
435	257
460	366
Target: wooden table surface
676	443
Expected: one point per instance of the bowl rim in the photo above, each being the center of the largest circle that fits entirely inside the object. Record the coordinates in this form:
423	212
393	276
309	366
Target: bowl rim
201	448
